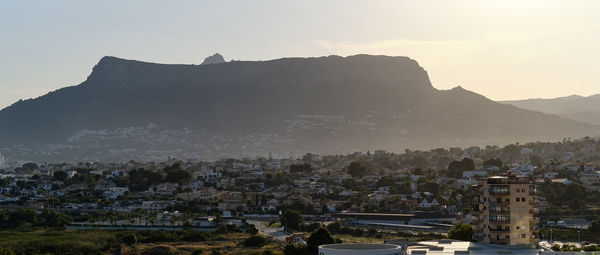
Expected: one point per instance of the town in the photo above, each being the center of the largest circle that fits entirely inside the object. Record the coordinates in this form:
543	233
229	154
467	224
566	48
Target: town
414	191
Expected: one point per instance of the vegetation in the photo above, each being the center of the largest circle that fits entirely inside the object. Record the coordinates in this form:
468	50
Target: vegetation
456	168
291	219
319	237
461	232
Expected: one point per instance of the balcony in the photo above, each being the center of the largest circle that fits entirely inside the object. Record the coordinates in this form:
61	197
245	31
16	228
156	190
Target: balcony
478	236
499	209
499	230
501	203
499	218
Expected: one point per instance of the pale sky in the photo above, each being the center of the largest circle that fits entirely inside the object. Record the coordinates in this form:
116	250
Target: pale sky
500	49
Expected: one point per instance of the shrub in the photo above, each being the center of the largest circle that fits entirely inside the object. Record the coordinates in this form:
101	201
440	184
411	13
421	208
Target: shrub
194	236
335	227
461	231
255	241
6	251
358	232
128	239
292	249
371	232
251	229
346	231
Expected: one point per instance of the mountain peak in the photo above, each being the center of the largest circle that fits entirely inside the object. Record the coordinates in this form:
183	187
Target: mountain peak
214	59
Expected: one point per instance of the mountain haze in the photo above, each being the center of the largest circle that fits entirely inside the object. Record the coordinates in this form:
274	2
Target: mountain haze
584	109
129	109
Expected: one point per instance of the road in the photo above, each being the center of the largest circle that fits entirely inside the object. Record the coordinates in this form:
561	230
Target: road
276	233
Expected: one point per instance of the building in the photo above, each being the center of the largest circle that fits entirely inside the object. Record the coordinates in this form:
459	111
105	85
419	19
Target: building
505	207
361	248
448	247
2	162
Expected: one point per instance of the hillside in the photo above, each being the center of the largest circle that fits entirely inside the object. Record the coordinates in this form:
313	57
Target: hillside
584	109
129	109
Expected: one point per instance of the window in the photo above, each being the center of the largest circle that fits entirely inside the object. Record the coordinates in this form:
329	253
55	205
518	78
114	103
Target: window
523	236
518	227
517	199
518	190
522	199
507	200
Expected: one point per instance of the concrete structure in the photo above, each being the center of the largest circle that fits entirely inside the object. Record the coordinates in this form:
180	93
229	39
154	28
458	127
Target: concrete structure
505	207
453	247
360	249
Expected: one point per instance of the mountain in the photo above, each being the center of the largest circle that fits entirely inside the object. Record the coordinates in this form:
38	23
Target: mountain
584	109
214	59
128	109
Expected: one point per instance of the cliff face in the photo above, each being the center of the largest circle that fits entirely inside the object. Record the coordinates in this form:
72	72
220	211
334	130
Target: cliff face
328	104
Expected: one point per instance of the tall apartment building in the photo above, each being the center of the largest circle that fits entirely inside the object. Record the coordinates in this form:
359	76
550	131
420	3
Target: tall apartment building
506	208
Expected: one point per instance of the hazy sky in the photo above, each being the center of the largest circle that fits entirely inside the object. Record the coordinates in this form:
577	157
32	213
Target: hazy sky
501	49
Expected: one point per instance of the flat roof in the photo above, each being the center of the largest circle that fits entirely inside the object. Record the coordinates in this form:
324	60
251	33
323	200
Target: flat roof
360	246
375	214
453	247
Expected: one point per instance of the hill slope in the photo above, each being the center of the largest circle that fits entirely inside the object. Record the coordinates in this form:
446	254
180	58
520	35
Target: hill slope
584	109
129	109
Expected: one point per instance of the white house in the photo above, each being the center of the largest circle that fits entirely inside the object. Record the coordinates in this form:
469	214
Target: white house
426	204
115	192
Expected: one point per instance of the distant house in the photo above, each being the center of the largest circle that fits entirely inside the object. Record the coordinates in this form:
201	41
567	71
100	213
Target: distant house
166	188
115	192
563	181
491	168
426	204
526	151
469	174
550	175
155	205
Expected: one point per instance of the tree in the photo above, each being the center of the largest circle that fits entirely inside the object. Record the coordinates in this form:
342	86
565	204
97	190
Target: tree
493	162
291	219
356	169
461	231
59	175
319	237
595	227
129	239
456	168
178	175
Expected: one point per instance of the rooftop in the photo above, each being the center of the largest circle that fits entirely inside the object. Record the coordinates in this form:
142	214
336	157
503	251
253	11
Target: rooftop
360	246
